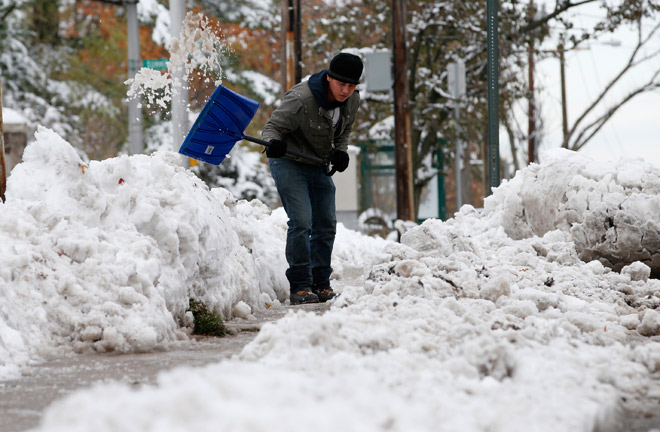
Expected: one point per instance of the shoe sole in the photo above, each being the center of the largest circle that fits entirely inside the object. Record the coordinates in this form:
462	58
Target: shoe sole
321	300
305	302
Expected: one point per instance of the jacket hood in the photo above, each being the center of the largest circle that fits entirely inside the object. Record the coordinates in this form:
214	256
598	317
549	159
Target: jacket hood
318	84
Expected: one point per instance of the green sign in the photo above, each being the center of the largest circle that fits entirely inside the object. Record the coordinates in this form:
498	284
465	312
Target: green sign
155	63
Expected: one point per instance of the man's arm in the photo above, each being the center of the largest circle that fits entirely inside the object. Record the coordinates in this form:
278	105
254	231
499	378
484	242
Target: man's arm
284	119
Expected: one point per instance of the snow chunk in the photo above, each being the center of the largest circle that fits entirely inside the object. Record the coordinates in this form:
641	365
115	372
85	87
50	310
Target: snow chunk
242	310
650	325
637	271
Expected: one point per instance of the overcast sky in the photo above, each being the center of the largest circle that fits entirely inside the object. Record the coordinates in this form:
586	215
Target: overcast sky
634	131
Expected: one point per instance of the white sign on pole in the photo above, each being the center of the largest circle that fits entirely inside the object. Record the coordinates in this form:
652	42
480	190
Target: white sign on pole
456	84
378	71
456	79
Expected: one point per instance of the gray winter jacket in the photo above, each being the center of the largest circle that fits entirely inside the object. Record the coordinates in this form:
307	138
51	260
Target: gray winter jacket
307	127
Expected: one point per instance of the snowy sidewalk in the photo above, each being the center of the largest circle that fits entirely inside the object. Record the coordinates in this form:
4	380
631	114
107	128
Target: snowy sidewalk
22	401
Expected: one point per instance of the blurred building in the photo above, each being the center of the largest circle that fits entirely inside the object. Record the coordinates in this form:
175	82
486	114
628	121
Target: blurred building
347	192
15	134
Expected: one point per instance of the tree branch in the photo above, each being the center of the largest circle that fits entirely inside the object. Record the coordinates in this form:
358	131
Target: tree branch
631	63
7	11
597	124
559	9
412	63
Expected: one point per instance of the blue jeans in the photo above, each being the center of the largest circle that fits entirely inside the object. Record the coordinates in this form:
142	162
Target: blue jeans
308	197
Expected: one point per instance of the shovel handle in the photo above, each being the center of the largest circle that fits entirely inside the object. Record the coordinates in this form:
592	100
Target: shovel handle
293	153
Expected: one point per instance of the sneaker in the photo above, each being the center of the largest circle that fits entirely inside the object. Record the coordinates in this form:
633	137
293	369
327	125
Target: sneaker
325	294
303	296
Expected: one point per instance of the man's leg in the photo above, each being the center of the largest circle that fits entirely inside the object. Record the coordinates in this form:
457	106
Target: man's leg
292	179
324	226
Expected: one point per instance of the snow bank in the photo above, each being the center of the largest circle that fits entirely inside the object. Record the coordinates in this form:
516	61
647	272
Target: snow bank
485	322
612	210
106	256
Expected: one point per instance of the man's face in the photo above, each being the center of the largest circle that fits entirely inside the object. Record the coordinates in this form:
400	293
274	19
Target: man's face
339	91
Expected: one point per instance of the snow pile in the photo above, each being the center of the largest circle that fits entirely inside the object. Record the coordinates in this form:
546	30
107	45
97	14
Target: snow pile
461	326
106	256
612	211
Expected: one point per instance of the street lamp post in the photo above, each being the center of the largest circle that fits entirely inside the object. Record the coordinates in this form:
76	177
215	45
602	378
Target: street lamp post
134	112
179	81
136	145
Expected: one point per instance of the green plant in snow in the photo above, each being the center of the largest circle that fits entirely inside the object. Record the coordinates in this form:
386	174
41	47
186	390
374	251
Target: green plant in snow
206	322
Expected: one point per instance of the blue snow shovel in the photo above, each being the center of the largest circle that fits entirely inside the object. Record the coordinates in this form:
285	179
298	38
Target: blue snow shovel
220	126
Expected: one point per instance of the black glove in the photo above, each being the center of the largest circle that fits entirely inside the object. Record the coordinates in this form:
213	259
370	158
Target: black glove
339	160
276	149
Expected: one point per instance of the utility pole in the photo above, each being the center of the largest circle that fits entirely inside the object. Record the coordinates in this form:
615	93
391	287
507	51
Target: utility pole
134	111
179	81
561	53
562	76
3	165
531	124
459	146
135	141
291	72
402	141
493	97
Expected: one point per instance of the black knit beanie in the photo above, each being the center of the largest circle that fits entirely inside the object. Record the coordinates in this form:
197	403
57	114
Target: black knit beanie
346	68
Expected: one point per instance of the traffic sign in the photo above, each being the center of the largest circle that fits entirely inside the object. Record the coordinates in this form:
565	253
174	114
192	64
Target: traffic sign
155	63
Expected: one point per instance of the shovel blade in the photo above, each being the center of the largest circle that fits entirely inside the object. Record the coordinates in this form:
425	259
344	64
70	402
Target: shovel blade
219	126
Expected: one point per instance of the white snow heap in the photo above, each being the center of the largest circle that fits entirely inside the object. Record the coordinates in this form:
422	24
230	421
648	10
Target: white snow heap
486	321
612	211
107	255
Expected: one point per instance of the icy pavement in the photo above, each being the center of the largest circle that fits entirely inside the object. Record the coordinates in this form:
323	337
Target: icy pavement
22	401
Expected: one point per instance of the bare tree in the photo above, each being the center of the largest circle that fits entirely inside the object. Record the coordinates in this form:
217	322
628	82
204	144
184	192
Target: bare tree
616	14
582	131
